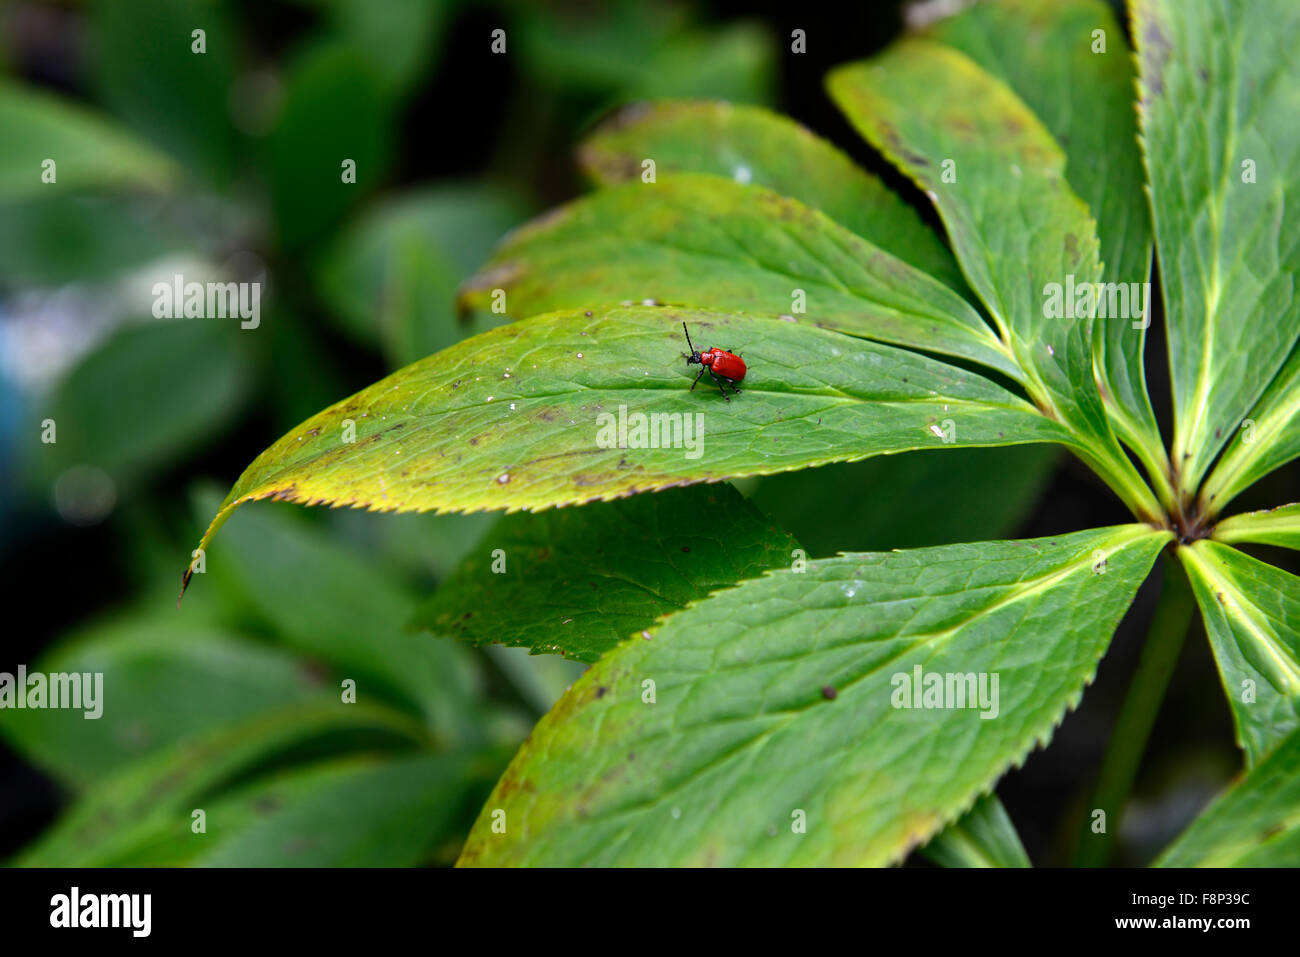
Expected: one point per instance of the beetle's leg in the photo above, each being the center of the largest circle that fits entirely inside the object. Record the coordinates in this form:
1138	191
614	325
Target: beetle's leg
719	382
697	379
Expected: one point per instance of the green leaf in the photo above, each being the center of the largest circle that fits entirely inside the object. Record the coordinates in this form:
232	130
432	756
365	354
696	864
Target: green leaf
983	837
752	145
145	68
1255	824
418	314
733	62
391	278
355	812
527	416
424	546
1015	225
67	238
774	698
579	581
335	112
87	149
135	802
1219	90
1271	526
701	240
1265	440
909	501
160	683
626	50
400	38
150	395
299	369
328	602
1047	52
1250	610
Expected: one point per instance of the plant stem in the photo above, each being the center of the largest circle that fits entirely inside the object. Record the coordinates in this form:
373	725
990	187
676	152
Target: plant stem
1128	739
1160	481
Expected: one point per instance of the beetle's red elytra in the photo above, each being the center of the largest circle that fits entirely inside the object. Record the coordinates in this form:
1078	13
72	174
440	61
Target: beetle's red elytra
722	364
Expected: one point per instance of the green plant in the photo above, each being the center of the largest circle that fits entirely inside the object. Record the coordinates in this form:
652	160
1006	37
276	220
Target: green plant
714	723
769	733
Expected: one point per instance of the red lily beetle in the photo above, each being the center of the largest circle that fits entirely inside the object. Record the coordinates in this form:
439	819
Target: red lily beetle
722	364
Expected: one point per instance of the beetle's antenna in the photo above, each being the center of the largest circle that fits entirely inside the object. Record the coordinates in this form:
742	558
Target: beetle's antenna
688	337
